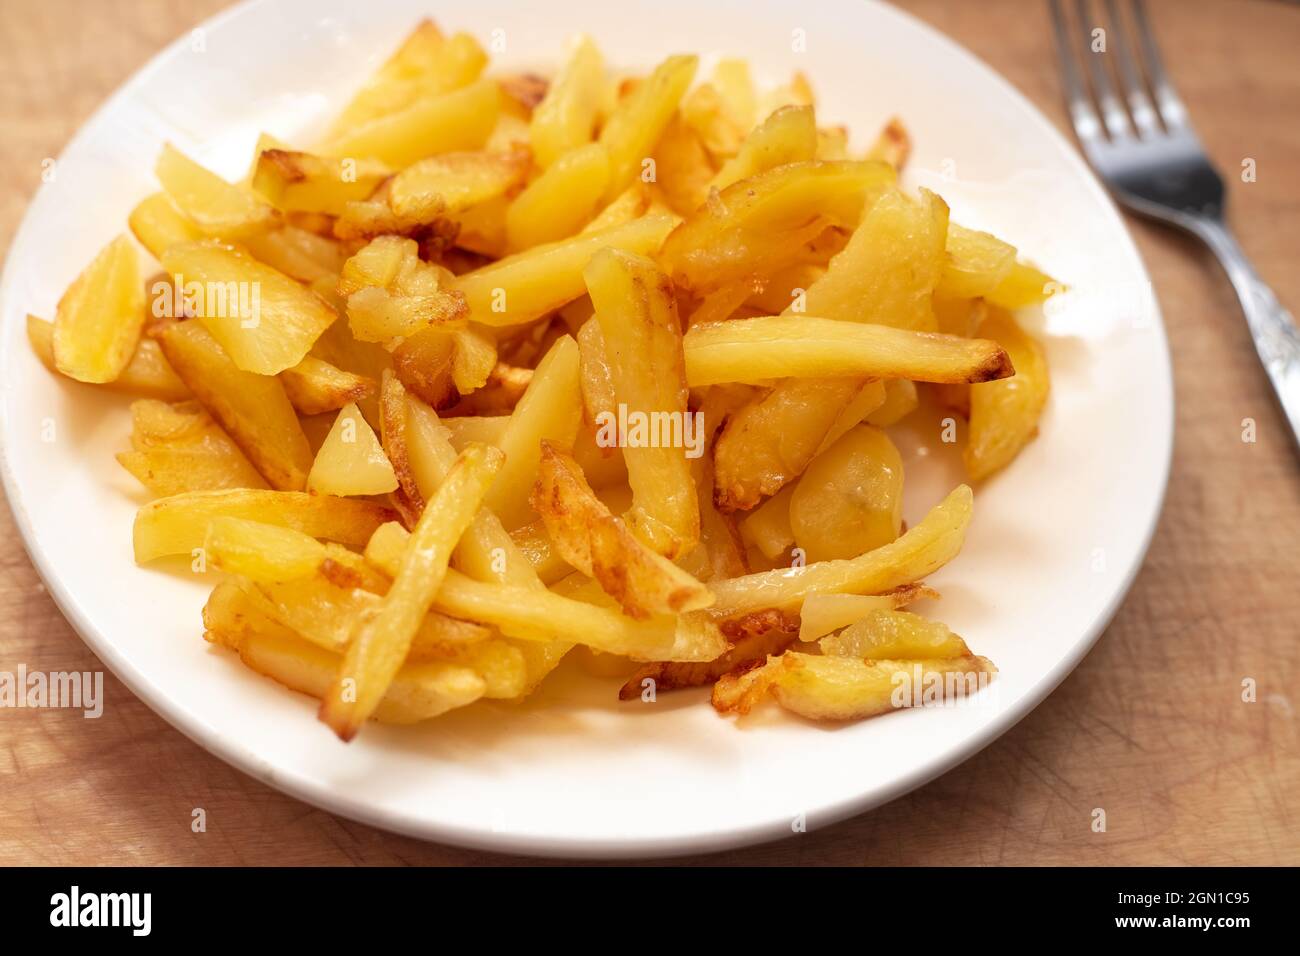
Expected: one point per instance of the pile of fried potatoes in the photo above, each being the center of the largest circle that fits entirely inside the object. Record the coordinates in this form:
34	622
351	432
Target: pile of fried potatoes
504	366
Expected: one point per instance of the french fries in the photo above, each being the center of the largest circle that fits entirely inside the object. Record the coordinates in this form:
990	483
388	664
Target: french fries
97	324
253	409
789	346
178	524
351	461
176	448
643	345
919	552
216	207
526	286
508	364
599	544
1004	415
380	645
265	321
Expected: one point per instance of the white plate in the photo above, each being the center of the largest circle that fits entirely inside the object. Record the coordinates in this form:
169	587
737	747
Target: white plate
1055	542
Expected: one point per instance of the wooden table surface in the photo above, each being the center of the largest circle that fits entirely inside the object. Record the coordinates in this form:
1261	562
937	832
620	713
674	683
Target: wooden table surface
1151	726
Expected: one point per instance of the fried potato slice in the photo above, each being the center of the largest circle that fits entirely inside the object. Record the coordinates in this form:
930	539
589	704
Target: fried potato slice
381	643
425	363
683	167
550	409
178	524
532	614
527	285
216	207
847	688
425	65
1023	286
758	224
453	182
566	117
589	537
302	182
750	649
298	253
158	224
461	119
640	119
768	527
823	613
975	263
637	313
900	401
264	320
918	552
894	635
261	551
351	461
893	144
631	203
418	691
724	109
177	448
850	498
98	321
789	135
893	262
486	551
392	293
887	273
147	374
770	441
802	346
315	386
561	201
1004	415
253	409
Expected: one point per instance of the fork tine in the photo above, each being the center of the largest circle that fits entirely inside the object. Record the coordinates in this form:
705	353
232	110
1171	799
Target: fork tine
1139	104
1111	109
1172	111
1087	126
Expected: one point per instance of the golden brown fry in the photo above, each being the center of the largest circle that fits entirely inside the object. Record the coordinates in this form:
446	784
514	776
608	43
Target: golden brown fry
1004	415
750	649
798	346
302	182
846	688
823	613
759	224
893	144
920	551
638	319
176	448
178	524
381	643
551	409
253	409
98	321
315	386
589	537
264	320
147	374
894	635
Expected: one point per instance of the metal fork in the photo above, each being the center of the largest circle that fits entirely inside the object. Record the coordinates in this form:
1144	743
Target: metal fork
1152	161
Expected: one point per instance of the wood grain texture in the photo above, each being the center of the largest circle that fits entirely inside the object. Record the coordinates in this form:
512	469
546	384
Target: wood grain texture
1150	727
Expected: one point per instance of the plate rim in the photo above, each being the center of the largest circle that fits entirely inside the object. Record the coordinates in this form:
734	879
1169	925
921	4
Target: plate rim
333	800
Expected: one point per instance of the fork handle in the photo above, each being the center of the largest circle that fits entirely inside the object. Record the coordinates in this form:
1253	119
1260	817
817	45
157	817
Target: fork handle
1274	330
